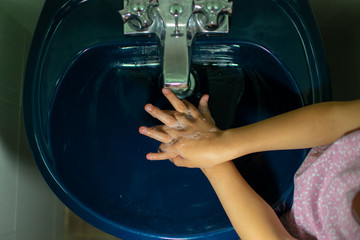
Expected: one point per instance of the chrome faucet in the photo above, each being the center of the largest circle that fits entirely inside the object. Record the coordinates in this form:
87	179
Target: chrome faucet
176	23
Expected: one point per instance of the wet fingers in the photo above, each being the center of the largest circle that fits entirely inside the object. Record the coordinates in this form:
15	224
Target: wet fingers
161	115
175	101
156	133
192	111
160	156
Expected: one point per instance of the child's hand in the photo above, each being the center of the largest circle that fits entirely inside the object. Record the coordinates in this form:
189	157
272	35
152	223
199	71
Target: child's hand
189	137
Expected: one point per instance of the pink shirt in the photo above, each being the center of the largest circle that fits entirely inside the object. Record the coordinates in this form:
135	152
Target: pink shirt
325	186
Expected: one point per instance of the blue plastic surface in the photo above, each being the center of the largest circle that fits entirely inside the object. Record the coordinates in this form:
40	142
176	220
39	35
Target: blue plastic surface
86	86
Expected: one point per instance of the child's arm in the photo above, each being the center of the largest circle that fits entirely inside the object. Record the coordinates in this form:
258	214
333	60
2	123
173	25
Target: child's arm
250	215
314	125
198	143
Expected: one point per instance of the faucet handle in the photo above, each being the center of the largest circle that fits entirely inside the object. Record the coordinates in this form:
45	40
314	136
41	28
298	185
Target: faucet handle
136	12
212	10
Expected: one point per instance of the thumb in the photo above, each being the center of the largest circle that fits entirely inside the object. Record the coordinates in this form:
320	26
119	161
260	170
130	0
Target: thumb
180	162
204	107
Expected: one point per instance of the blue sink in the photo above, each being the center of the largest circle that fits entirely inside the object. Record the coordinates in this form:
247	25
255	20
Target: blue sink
86	87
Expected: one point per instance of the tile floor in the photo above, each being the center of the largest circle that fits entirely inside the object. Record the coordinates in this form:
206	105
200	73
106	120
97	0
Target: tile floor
78	229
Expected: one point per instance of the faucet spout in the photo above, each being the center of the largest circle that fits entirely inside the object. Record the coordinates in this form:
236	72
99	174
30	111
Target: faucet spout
176	44
176	62
176	23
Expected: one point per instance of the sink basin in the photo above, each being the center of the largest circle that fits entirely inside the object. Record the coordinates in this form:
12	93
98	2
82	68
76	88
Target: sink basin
99	156
86	87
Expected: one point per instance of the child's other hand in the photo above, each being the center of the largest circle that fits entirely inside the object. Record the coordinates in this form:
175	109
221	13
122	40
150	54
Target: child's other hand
189	137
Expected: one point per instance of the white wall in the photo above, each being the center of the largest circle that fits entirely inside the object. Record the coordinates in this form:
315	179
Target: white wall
28	209
25	12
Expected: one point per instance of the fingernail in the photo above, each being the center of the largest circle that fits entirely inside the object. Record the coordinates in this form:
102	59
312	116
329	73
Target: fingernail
149	157
142	130
148	107
206	98
165	90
